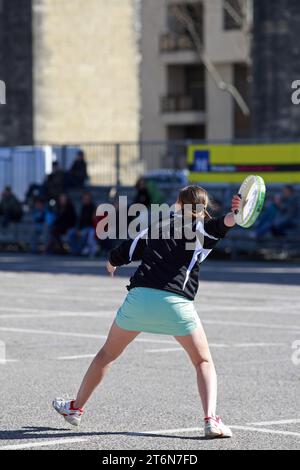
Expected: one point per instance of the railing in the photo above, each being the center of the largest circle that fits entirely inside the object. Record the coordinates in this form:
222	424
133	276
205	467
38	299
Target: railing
109	164
177	103
172	42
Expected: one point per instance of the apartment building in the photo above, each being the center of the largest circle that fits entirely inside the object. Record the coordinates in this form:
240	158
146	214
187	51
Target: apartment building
180	99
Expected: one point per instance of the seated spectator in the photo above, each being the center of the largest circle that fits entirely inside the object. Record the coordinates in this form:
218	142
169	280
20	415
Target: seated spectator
268	216
77	175
65	220
10	208
287	219
54	183
281	215
142	195
82	238
50	218
38	219
35	191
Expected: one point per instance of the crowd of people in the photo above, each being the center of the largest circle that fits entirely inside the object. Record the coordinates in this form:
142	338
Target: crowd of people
55	222
281	214
57	227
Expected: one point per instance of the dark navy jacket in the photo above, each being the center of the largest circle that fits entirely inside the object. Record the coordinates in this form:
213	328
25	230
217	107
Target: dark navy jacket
167	262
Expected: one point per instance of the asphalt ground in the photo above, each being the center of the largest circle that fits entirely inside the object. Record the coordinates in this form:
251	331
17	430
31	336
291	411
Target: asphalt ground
55	314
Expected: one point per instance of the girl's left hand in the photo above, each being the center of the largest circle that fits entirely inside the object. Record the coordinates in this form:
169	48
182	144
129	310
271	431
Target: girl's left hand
235	203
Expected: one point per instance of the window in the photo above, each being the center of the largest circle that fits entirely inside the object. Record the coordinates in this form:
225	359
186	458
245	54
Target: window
186	88
233	13
193	10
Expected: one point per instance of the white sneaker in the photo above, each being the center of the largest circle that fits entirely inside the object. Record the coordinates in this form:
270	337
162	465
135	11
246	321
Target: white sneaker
213	427
66	409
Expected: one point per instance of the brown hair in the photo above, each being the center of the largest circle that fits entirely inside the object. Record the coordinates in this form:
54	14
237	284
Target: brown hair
195	196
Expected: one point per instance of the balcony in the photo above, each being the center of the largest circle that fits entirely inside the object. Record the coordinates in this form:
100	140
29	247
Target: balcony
179	103
177	48
183	109
171	42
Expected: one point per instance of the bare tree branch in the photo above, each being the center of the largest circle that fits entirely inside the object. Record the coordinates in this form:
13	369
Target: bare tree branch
185	19
242	18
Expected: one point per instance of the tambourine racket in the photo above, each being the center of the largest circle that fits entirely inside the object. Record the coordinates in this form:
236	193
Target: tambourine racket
252	193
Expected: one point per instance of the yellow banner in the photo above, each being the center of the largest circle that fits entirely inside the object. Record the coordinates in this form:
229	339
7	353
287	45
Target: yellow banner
276	163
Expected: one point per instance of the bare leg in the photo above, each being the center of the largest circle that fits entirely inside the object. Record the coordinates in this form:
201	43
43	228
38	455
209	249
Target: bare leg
115	344
196	346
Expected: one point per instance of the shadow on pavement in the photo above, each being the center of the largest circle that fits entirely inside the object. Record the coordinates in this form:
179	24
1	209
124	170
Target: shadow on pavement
37	432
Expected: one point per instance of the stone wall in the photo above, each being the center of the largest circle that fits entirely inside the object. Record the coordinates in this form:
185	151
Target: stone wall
16	124
86	77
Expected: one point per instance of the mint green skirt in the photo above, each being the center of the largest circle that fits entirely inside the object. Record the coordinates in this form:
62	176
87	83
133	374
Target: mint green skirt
157	311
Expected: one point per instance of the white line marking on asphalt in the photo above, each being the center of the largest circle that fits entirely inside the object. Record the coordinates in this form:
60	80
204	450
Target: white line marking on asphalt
242	428
253	325
29	445
285	308
5	361
137	433
180	349
259	270
292	328
164	350
270	423
266	431
259	345
40	314
172	431
71	358
260	361
220	345
78	335
106	312
96	299
253	294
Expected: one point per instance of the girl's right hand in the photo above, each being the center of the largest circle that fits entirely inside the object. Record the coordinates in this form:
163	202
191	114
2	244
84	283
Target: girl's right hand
235	203
110	268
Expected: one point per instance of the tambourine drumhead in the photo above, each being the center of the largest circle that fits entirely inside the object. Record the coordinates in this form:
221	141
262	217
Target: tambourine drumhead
252	192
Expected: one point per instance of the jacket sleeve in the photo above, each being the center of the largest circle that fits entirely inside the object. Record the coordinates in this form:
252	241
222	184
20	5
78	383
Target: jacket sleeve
128	251
215	230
